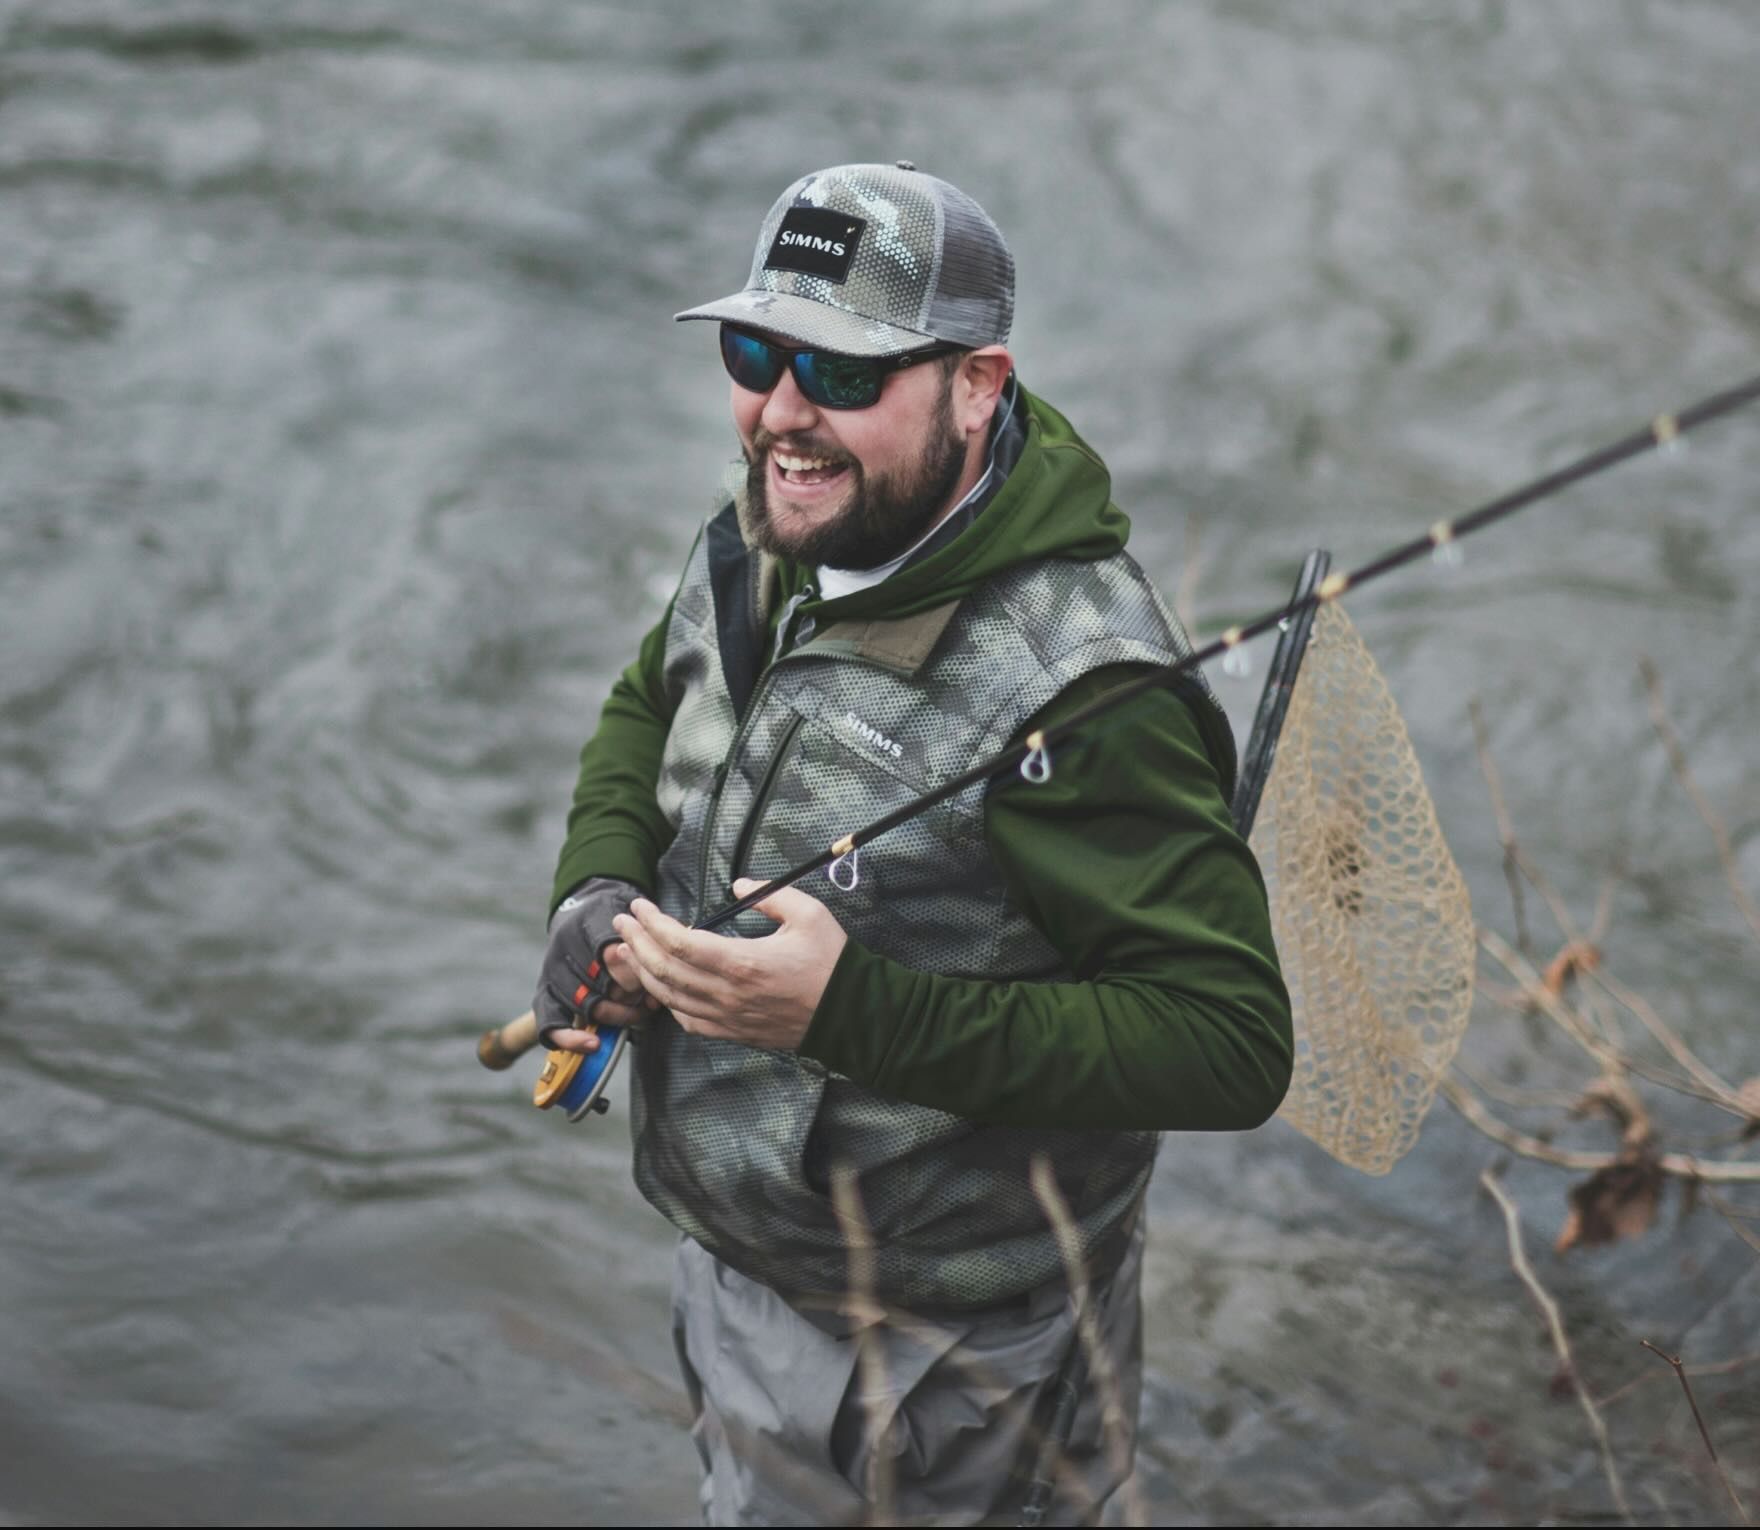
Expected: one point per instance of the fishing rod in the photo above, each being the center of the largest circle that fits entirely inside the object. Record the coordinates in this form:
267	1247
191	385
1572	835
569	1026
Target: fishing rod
577	1080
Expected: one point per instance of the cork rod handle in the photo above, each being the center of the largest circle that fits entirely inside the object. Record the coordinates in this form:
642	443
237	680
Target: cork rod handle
503	1047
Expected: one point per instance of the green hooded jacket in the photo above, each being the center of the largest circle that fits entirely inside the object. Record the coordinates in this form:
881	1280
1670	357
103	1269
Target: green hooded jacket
1126	860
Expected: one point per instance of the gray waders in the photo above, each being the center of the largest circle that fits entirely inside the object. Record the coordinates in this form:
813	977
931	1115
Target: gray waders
787	1427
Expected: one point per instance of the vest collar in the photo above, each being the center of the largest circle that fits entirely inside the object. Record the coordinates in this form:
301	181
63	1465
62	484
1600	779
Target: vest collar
901	644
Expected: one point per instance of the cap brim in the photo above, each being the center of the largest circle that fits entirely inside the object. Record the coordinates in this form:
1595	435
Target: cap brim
806	322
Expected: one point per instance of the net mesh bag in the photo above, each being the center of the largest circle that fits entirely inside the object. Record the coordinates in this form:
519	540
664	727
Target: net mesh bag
1370	912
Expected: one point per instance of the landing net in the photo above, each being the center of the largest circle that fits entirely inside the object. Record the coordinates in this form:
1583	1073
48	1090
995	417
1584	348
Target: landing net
1373	925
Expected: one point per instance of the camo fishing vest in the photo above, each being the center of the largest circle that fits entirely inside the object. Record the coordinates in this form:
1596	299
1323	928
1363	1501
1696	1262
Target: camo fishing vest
736	1145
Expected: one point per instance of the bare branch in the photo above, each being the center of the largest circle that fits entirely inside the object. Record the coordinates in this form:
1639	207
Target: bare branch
1516	1141
1550	1003
1645	1378
1536	993
1677	758
1555	1326
1679	1165
1719	1092
1704	1433
1560	910
1581	952
1105	1378
1509	1094
1516	860
1734	1216
1603	911
1503	998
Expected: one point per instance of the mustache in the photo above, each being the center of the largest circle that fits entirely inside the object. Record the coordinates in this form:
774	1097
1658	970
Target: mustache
763	442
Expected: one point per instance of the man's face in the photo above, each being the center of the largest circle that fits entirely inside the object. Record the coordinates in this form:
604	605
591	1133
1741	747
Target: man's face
850	488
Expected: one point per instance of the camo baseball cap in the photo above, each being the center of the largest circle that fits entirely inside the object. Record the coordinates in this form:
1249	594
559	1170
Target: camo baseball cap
873	260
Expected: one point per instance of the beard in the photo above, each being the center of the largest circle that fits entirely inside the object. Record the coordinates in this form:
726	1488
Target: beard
881	517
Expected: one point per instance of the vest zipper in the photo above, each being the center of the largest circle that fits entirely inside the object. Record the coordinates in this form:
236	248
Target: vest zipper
709	831
749	829
759	694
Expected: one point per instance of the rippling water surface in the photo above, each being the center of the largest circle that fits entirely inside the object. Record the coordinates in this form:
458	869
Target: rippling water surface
345	451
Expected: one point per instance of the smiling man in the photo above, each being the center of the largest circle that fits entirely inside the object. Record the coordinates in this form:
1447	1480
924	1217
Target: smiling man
917	563
847	493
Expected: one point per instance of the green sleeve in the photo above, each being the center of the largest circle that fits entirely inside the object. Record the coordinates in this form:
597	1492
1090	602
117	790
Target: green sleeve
1128	862
616	828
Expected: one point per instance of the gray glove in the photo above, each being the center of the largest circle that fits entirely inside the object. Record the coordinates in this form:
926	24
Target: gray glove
574	977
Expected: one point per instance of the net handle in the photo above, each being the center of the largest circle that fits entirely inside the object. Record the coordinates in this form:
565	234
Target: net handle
1280	682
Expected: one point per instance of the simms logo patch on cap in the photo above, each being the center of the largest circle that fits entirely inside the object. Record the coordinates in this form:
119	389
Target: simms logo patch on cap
817	241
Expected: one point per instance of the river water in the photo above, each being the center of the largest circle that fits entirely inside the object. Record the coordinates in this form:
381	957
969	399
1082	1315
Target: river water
346	448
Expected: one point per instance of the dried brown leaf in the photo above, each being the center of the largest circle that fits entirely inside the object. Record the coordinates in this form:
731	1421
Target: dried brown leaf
1573	957
1615	1202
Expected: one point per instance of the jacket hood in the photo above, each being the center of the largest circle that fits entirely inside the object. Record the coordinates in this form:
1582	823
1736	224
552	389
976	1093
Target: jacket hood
1056	502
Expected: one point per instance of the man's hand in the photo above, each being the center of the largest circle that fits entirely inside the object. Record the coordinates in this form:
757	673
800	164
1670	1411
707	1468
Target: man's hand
759	992
625	1004
588	976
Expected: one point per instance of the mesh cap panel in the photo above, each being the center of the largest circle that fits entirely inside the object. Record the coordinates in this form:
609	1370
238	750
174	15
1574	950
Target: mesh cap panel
928	265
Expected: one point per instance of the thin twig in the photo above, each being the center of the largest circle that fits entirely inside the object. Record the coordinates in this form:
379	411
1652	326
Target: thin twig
1516	860
1734	1216
1113	1428
1503	998
1645	1378
1505	1135
1506	832
1555	1326
1719	1091
1612	1058
1594	940
1704	1433
1547	1001
1603	911
1550	895
1577	943
1680	1165
858	1238
1511	1094
1677	758
1694	1143
1520	1001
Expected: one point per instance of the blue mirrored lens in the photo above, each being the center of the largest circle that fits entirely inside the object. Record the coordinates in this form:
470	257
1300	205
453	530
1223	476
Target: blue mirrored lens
749	361
837	382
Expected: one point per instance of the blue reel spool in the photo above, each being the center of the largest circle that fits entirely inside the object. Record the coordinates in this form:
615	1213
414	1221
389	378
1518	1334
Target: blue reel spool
576	1080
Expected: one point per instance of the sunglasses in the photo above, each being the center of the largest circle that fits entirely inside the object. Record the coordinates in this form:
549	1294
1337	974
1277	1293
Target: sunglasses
827	378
